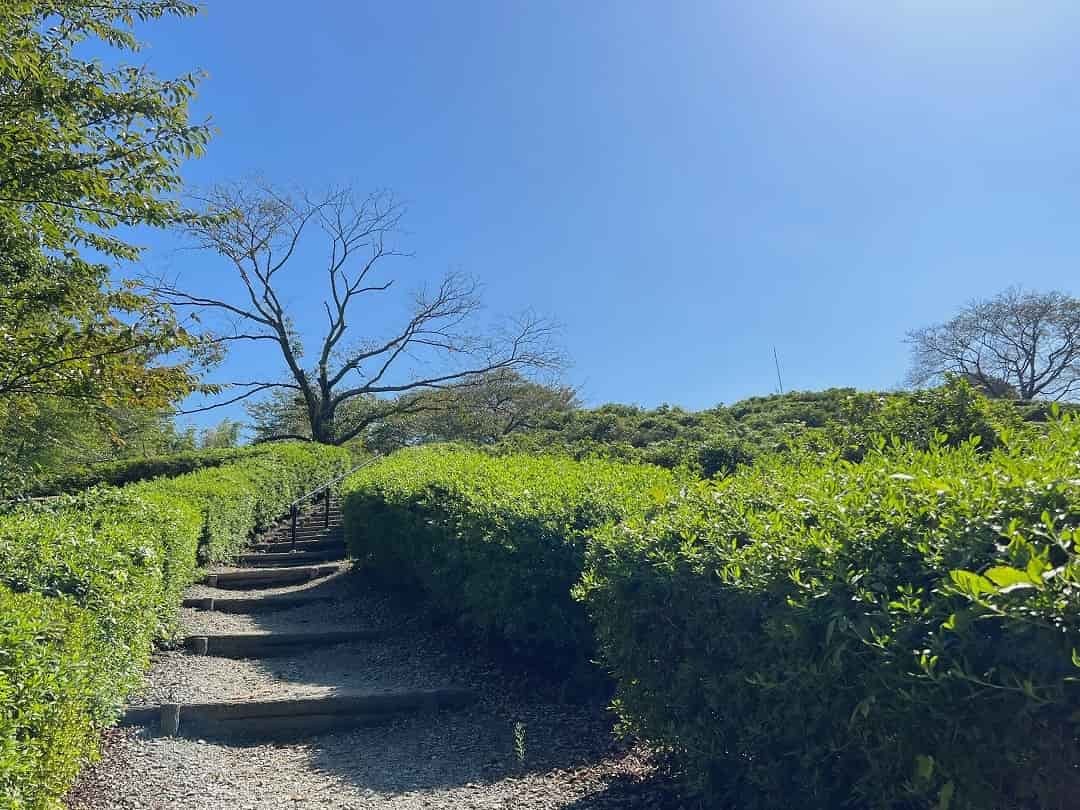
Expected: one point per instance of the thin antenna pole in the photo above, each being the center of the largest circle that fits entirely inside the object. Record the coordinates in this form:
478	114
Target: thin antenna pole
776	360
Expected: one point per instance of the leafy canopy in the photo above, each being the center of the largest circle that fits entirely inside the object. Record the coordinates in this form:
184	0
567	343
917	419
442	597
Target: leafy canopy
86	149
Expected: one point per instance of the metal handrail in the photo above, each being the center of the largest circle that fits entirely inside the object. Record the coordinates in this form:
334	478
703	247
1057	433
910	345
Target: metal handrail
333	481
294	507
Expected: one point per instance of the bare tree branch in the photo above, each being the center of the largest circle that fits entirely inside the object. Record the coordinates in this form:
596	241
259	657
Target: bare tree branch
1023	343
258	230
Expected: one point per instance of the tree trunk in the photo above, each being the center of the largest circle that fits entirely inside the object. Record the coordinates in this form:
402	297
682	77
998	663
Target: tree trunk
322	424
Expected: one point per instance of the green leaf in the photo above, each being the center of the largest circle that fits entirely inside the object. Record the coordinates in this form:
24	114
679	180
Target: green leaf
1009	578
972	584
945	796
924	767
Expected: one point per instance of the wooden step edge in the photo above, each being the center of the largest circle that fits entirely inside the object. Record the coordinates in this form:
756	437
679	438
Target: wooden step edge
277	717
289	558
310	533
269	577
263	604
314	537
302	545
264	645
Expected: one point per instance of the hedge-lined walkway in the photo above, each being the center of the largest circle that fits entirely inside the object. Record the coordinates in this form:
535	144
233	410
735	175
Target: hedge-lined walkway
461	757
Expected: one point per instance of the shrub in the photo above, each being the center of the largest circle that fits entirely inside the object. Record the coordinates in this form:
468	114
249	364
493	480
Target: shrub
49	712
88	582
128	471
495	542
237	498
899	633
955	411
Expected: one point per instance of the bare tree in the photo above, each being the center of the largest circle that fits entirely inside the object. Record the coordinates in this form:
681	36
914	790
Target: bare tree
259	229
1022	342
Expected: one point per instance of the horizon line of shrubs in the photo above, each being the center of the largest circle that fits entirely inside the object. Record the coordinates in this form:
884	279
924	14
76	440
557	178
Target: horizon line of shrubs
89	582
897	629
716	441
130	470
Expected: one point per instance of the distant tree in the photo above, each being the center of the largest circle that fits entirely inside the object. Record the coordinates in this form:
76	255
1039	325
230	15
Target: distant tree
281	412
42	438
1019	342
258	230
224	434
481	410
491	407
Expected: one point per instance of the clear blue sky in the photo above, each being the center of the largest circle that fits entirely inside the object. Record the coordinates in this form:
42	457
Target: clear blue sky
682	184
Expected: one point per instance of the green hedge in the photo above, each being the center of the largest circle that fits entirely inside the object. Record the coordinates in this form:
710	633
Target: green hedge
49	697
495	542
88	582
128	471
899	633
235	498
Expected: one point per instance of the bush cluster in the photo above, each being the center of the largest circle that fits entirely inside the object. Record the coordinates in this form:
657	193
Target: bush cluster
898	633
88	582
236	498
716	442
495	542
128	471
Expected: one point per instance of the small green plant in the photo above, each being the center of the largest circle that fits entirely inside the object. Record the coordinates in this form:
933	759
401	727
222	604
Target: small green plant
519	742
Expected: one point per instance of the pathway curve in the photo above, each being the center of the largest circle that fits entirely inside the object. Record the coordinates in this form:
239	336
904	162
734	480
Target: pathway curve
269	710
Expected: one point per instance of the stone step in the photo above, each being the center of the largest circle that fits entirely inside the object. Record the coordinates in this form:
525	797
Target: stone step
268	577
309	530
280	537
268	645
265	604
290	718
300	545
290	558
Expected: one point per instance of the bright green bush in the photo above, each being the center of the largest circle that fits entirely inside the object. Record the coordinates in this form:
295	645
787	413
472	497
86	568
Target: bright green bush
128	471
951	414
88	582
236	498
49	707
899	633
496	542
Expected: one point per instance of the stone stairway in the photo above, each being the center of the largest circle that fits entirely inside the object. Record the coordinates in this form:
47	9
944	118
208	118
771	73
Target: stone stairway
294	616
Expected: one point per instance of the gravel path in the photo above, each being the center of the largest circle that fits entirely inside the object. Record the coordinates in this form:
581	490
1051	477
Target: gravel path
454	759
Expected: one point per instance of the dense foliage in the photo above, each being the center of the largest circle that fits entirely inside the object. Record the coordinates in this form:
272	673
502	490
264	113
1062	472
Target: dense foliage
719	440
897	633
891	631
88	582
86	150
497	543
128	471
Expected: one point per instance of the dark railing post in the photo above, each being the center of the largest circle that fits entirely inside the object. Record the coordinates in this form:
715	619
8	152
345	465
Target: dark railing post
293	512
326	491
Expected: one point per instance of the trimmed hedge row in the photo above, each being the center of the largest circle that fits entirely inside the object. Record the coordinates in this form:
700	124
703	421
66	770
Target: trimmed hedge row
88	582
495	542
898	633
236	498
128	471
